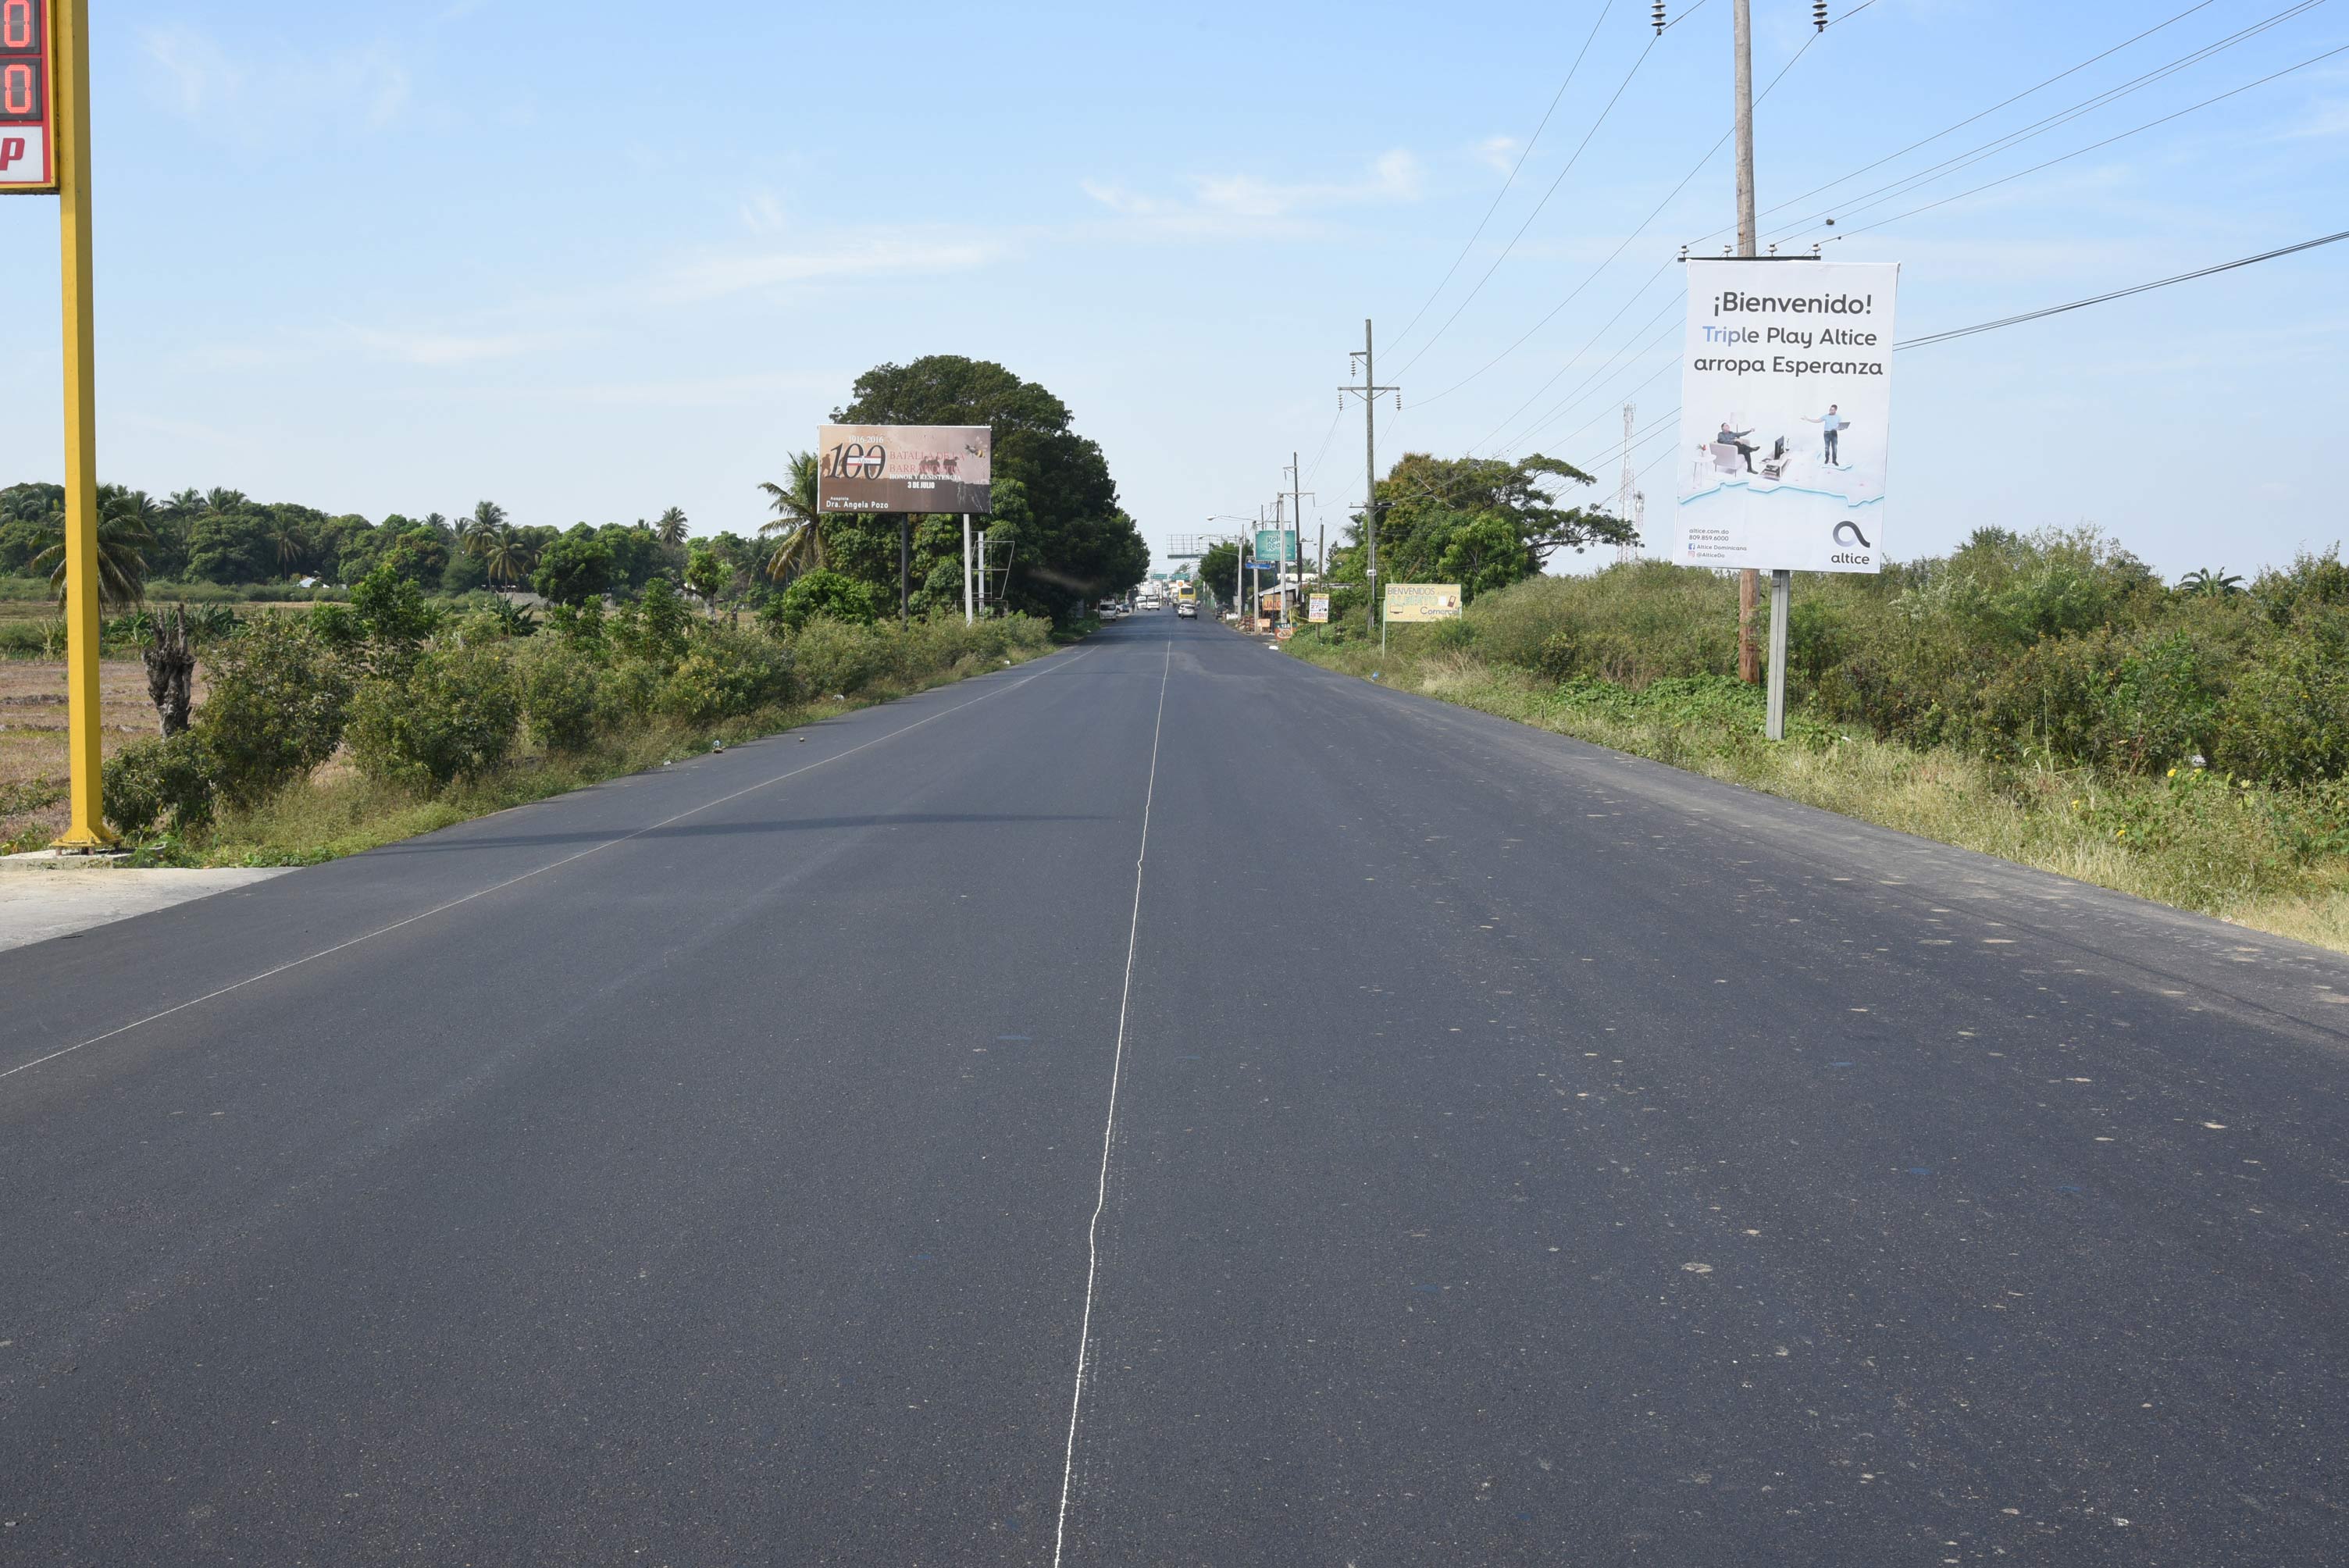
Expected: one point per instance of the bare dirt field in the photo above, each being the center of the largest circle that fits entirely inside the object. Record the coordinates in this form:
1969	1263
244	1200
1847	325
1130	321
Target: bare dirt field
33	739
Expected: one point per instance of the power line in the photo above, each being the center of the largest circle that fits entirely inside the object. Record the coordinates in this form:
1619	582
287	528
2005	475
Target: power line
2093	146
1570	162
1573	397
1645	223
2040	127
2121	294
2018	98
1509	183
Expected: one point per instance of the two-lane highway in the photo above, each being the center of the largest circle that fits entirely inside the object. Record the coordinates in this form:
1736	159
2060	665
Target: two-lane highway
1435	1140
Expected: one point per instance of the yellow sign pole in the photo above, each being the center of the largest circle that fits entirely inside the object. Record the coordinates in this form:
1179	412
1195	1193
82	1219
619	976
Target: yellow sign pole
87	830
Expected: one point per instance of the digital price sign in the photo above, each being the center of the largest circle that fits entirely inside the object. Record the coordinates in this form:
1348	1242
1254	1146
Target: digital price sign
28	154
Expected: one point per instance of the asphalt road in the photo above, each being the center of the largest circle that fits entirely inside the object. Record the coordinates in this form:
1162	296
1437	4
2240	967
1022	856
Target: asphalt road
1438	1142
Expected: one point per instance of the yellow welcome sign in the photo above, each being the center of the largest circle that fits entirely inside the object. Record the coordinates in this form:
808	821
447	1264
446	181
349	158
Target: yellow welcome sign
1410	601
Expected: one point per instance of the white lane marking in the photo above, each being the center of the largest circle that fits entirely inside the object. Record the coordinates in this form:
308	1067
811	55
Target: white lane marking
510	882
1109	1128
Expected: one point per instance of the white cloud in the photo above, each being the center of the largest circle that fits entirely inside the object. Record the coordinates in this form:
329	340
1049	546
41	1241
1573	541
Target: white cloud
1229	203
714	276
1498	153
411	346
253	96
2322	123
763	213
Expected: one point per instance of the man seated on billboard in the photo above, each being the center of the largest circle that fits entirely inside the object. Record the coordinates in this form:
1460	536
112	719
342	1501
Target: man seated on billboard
1729	438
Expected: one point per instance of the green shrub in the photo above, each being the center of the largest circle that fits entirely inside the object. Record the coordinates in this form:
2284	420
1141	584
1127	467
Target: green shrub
838	656
823	594
656	626
563	695
727	674
275	703
453	717
152	783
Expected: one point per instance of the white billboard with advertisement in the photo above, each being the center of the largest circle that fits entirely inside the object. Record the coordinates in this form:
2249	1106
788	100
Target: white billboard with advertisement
903	468
1786	414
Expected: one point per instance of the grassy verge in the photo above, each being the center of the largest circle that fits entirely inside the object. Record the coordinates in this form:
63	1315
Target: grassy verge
339	811
2269	858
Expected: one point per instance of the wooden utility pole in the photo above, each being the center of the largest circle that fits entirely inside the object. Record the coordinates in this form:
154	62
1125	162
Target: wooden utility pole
1749	580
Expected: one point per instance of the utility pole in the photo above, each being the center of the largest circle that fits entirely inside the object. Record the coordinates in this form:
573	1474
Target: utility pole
1369	392
1297	511
1749	655
1624	552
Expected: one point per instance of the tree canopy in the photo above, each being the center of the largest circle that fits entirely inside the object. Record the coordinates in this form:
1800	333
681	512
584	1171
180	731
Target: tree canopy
1056	514
1482	523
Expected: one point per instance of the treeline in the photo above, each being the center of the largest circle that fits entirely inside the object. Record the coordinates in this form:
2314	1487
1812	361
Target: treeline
1056	537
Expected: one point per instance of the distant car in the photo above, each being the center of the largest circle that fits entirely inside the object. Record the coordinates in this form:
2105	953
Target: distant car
1186	611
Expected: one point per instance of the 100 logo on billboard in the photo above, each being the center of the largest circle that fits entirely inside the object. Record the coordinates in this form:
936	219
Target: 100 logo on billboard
855	461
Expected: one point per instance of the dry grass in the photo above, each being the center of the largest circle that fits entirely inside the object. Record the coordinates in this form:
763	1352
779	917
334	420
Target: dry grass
2224	859
33	738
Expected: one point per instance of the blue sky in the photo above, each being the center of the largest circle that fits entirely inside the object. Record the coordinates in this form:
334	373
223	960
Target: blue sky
592	260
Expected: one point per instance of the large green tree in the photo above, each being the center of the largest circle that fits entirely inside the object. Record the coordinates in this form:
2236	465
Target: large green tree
1067	539
1482	523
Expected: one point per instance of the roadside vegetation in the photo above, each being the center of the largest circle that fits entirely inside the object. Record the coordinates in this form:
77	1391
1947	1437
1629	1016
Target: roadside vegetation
322	683
2045	699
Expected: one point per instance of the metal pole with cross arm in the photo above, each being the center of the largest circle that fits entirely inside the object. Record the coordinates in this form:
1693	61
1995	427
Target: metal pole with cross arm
44	151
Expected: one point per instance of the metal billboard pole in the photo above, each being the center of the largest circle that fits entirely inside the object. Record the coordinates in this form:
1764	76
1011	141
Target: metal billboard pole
84	741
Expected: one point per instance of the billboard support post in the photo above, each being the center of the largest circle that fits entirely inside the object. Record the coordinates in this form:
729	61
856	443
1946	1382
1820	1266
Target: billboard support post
904	553
967	617
1782	594
87	829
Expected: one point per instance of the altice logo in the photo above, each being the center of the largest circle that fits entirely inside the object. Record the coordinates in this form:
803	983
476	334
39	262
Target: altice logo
1852	529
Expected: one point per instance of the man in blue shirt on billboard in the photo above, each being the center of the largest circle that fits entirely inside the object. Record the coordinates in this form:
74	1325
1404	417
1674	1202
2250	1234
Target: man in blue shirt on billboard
1829	424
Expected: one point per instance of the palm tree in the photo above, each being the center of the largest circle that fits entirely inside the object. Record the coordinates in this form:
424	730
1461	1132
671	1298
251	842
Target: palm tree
285	535
473	532
2218	584
217	500
670	529
506	551
796	519
121	568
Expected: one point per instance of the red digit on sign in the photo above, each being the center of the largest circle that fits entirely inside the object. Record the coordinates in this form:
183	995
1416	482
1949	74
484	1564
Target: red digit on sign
16	90
16	24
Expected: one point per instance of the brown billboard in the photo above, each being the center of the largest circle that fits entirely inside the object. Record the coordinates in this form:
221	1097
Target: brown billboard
903	467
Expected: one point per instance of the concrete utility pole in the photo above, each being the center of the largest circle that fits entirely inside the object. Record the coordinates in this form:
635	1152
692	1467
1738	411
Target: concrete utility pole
1624	552
1749	655
1296	508
1370	391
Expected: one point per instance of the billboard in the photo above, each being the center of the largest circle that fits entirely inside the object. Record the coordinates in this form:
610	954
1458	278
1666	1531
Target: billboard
903	467
1412	601
1276	544
1786	411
